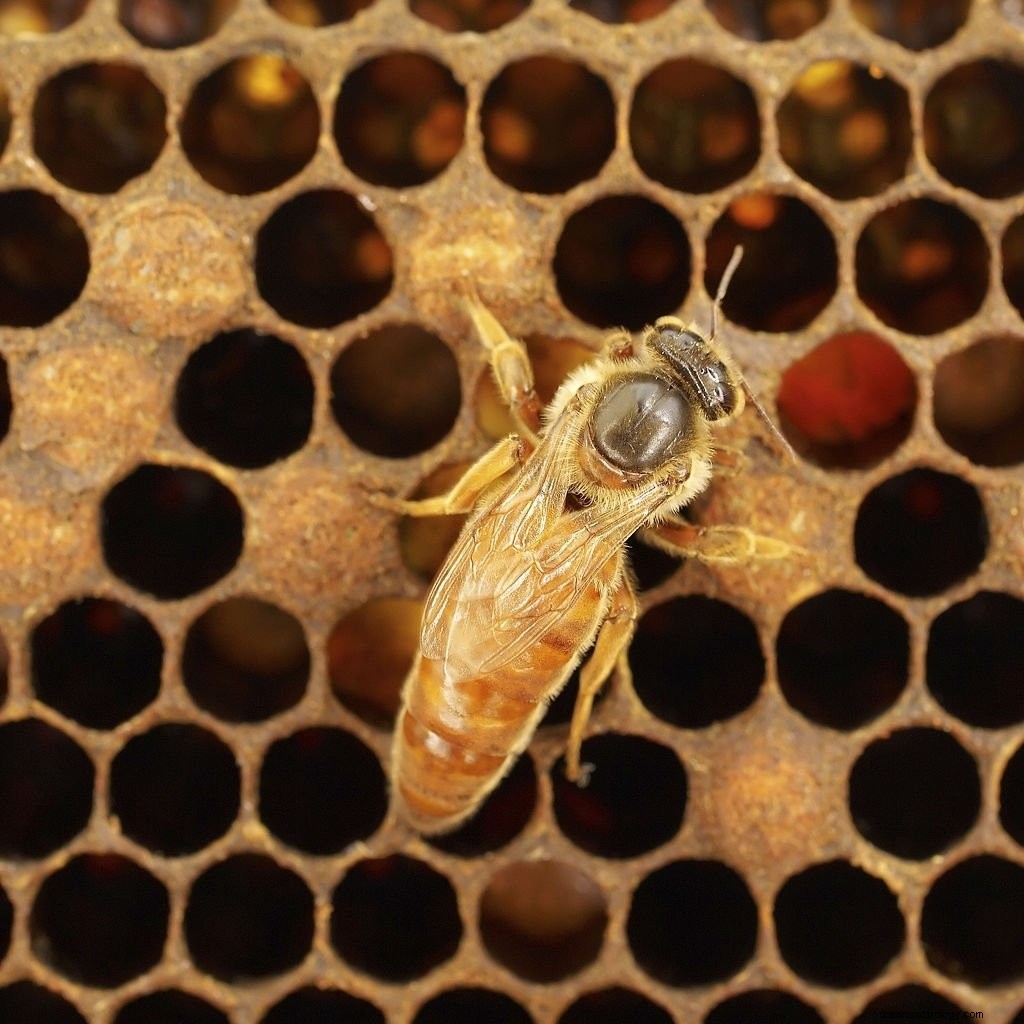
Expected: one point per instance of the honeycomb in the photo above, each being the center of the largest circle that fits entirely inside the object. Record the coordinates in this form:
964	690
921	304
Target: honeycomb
230	238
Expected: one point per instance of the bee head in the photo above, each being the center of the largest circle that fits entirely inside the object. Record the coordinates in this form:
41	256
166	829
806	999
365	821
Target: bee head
700	372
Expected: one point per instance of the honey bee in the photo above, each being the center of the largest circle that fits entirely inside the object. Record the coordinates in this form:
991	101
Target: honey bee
538	575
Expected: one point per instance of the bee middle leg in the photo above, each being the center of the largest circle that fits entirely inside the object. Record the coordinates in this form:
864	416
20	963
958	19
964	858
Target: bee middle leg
727	545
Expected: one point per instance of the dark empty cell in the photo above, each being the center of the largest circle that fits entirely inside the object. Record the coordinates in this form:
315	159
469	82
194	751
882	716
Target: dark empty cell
692	922
100	920
471	1006
46	783
837	925
767	1006
843	658
619	12
922	266
324	1006
650	566
695	661
979	401
321	259
548	124
245	659
974	658
97	126
789	269
615	1006
1011	796
396	392
633	801
400	119
247	398
694	127
6	403
170	1006
395	918
764	20
622	260
251	125
908	1002
915	24
174	789
248	917
559	711
542	920
96	661
914	793
972	922
920	532
848	403
44	259
169	24
1013	263
171	531
322	790
318	13
499	819
846	129
27	1003
468	15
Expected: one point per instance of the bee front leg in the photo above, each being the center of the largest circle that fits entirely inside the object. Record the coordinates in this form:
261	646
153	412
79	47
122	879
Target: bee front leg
612	643
722	544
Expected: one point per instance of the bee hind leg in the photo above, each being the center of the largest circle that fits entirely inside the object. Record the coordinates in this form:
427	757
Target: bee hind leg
727	545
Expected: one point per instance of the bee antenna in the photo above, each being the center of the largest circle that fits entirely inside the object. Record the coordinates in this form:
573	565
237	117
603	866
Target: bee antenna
723	286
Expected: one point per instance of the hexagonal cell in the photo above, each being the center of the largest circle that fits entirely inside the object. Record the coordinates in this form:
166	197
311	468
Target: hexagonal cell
318	13
621	12
471	1006
1011	796
24	1001
468	15
765	1004
908	1001
170	1006
39	17
170	24
846	129
768	19
323	1005
615	1005
915	24
1013	263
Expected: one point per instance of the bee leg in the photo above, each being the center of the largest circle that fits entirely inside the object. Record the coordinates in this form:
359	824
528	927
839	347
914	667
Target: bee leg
511	367
618	346
508	453
722	544
612	643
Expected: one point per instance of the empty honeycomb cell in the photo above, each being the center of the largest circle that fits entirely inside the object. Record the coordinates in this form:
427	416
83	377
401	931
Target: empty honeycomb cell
914	793
321	259
96	661
974	129
471	1006
838	925
170	1006
251	124
634	799
694	126
920	532
323	1005
1011	796
396	392
170	530
848	403
247	918
972	922
100	920
542	919
789	269
246	397
245	659
318	13
843	658
769	19
24	1002
97	126
692	923
559	711
619	12
500	818
696	660
170	24
548	124
395	918
909	1002
622	261
650	565
764	1004
44	258
46	782
978	401
846	128
424	541
615	1005
1013	263
400	119
922	266
468	15
975	651
369	653
175	788
915	24
321	790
